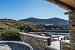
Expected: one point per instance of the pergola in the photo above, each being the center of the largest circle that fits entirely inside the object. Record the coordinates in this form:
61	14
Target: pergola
66	4
69	5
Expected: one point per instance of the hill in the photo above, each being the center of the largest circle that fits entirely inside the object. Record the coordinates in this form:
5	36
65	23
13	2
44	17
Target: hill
9	23
50	21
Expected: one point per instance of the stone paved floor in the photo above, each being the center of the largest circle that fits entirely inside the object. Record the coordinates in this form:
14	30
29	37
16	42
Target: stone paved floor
54	44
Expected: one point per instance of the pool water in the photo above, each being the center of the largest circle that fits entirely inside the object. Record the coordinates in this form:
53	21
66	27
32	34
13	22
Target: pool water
54	33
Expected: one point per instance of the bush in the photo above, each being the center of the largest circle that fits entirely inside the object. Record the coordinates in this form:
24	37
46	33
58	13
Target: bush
2	28
10	34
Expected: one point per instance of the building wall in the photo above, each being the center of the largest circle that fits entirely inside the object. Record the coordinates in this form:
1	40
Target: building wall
72	30
64	45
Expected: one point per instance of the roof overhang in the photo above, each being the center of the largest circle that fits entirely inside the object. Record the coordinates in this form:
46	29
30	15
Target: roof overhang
66	4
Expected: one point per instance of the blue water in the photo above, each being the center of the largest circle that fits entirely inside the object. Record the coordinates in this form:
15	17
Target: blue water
54	33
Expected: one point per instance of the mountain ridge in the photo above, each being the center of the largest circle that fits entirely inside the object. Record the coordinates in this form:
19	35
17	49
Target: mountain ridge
54	20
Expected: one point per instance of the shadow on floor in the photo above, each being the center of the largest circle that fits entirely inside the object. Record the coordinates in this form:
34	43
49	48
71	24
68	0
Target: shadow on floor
52	40
35	48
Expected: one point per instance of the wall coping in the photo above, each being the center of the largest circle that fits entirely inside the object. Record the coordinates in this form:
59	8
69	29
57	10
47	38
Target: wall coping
65	41
45	37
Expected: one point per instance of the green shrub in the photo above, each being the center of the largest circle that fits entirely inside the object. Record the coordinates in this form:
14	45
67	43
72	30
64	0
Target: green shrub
2	28
10	34
1	32
22	27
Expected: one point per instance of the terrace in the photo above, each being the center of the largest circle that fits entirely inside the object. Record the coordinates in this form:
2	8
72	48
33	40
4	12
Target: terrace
44	42
35	41
70	6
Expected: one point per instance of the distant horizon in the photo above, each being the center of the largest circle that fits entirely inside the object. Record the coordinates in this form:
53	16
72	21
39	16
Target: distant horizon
22	9
33	17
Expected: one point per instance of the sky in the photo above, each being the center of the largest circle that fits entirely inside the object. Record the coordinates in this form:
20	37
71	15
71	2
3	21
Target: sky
22	9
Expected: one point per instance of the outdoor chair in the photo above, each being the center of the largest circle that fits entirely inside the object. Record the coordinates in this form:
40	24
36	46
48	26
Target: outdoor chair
38	33
46	34
65	38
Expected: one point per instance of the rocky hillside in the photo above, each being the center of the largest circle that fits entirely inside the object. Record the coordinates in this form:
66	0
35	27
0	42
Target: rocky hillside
9	23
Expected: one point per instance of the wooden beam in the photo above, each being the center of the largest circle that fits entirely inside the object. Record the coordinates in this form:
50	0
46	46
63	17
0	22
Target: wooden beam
70	7
63	5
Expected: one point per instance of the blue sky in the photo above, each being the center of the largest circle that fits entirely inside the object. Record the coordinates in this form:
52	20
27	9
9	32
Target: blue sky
22	9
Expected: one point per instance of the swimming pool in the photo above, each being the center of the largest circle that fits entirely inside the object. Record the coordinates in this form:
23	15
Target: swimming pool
54	33
62	34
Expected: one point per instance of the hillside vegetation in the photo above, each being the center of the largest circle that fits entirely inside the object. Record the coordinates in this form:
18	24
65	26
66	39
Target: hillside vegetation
9	29
9	23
